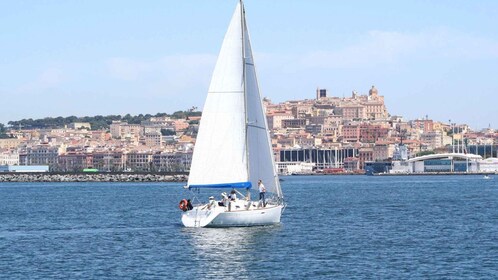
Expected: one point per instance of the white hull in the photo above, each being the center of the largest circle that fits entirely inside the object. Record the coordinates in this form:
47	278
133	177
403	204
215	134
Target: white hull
220	217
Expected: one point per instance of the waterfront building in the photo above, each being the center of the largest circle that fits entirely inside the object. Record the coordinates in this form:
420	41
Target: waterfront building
365	154
322	158
109	161
139	161
24	168
445	162
72	162
383	150
377	167
352	164
172	161
289	168
488	165
44	154
9	157
485	150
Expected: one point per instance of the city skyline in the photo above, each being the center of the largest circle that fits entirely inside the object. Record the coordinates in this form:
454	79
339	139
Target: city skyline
92	58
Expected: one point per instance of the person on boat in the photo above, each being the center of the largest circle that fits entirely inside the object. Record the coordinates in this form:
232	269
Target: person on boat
262	191
232	198
224	199
233	195
189	205
211	204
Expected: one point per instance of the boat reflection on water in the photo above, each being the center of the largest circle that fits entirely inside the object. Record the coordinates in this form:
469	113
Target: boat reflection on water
226	252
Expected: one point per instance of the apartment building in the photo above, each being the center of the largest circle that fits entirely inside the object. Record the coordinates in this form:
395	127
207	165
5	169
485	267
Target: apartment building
9	157
124	130
43	154
10	143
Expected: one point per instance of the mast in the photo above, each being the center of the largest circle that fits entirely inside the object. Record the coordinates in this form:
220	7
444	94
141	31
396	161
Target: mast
242	32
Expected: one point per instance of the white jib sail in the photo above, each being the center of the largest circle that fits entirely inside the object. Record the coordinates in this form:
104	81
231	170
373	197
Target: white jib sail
220	154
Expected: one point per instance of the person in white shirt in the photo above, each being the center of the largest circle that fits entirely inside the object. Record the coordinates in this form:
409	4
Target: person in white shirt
233	198
211	203
262	191
233	195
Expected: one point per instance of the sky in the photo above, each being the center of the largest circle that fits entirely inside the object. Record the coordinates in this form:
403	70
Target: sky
435	59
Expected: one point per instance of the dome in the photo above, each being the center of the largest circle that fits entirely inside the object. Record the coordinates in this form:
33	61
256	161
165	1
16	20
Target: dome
373	91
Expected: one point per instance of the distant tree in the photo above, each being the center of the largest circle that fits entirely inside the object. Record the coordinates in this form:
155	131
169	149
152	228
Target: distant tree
2	131
160	115
97	122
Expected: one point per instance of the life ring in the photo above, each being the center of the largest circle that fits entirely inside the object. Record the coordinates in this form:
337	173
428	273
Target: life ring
183	205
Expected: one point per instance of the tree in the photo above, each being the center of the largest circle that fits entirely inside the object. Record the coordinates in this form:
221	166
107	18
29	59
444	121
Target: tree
97	122
2	131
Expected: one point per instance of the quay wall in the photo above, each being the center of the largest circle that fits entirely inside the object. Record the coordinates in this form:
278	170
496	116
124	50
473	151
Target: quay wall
95	177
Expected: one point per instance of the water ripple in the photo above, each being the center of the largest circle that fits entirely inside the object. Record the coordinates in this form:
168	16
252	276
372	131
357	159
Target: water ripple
437	227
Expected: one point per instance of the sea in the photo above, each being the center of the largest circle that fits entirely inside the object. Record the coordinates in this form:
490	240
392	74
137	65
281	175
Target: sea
334	227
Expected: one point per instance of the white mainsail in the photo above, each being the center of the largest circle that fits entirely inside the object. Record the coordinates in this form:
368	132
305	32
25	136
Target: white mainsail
233	147
220	155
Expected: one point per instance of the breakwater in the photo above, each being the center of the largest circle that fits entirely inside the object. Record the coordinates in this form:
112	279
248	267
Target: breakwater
98	177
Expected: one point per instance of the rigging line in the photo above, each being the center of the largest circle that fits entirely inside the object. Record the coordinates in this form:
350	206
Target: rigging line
256	126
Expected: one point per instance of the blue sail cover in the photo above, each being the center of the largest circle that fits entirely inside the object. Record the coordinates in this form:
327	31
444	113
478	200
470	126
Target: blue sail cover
241	185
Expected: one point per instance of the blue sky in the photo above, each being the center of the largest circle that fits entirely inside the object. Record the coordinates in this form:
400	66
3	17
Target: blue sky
83	58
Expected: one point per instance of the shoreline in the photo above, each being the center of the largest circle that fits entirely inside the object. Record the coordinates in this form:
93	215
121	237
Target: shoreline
25	177
94	177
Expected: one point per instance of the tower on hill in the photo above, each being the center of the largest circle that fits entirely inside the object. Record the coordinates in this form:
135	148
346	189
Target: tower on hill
321	93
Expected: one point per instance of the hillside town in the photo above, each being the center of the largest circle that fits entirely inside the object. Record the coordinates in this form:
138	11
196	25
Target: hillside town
323	134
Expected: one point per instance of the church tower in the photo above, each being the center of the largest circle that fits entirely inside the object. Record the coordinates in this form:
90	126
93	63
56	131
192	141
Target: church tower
373	93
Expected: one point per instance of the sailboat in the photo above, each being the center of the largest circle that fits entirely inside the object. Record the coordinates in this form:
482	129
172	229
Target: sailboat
233	149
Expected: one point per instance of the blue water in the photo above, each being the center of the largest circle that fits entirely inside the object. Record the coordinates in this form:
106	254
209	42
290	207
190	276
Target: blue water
437	227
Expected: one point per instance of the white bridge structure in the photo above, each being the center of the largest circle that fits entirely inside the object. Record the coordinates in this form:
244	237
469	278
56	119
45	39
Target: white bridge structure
445	162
